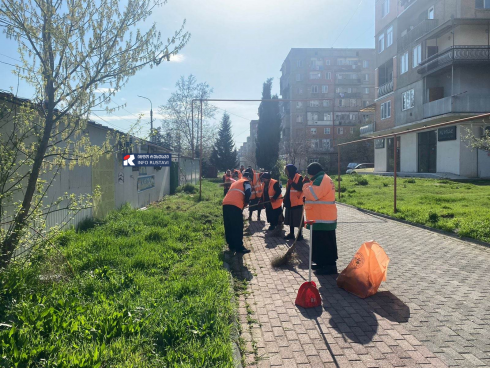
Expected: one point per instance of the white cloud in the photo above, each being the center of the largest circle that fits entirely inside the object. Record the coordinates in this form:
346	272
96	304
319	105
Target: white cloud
177	58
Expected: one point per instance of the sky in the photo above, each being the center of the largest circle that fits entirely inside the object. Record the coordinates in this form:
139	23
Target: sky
234	47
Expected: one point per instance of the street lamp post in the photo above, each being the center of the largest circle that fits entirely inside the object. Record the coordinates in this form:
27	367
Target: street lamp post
152	138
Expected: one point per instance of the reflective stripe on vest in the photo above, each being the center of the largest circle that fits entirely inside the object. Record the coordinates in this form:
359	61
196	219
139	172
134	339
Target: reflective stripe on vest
320	202
313	193
238	190
322	207
274	203
236	194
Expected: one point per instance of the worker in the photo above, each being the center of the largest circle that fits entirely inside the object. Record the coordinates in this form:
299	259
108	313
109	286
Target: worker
227	180
237	175
272	200
242	168
233	204
320	206
257	190
293	202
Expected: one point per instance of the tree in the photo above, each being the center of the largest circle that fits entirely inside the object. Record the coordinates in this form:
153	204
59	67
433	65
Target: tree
178	115
68	50
297	147
268	130
224	154
362	152
477	140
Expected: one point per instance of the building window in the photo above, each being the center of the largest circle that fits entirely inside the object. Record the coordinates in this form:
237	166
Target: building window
299	118
328	75
482	4
298	77
386	110
299	104
365	64
313	131
366	90
314	103
300	90
314	89
385	10
326	103
340	130
327	116
315	143
407	100
381	43
417	56
315	75
351	130
327	62
404	63
366	77
299	63
353	117
326	130
389	37
353	103
340	61
324	89
365	103
430	12
326	143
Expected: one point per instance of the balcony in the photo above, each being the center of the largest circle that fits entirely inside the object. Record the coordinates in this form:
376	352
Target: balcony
464	104
319	122
348	95
367	129
385	89
348	81
417	32
455	55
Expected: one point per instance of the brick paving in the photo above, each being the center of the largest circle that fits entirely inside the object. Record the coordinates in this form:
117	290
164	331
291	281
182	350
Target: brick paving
433	310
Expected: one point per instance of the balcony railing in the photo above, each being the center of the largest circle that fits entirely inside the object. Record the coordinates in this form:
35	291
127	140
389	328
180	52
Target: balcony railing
466	103
385	89
367	129
348	95
348	81
416	32
456	55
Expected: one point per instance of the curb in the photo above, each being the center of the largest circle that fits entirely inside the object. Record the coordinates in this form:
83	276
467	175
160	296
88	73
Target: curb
442	232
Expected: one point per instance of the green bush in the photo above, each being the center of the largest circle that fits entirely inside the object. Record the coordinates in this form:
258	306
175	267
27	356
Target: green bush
409	181
187	188
360	180
433	217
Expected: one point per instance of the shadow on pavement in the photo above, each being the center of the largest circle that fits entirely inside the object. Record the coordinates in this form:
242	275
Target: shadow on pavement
238	269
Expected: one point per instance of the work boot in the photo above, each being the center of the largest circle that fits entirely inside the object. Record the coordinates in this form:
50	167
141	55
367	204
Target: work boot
290	236
243	250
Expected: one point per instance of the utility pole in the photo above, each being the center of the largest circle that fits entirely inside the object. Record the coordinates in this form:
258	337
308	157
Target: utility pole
152	138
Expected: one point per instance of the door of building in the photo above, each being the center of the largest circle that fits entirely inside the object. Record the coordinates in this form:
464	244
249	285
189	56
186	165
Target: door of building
427	152
391	153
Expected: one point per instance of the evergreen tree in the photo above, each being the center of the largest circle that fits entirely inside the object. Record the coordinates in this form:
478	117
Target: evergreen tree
224	155
269	129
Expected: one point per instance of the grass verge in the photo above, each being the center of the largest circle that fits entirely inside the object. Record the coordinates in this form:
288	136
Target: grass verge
458	207
149	290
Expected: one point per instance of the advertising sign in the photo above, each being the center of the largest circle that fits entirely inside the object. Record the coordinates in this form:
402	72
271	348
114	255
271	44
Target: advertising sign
147	159
146	182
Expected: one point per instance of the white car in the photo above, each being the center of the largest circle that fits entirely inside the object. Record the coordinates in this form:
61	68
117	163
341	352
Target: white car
360	168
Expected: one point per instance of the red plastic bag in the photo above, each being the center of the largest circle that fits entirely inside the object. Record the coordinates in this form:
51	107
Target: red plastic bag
366	271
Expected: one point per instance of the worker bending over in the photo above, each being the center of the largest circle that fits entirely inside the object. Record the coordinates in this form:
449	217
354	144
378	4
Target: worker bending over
257	190
272	200
320	206
233	204
293	202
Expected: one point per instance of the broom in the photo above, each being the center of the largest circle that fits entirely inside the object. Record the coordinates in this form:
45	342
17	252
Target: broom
280	261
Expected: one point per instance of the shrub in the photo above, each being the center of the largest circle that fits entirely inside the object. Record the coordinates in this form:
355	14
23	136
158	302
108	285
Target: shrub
385	184
359	180
409	181
433	217
187	188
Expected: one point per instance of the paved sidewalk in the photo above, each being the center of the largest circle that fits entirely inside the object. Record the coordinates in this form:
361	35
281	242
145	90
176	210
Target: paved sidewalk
434	309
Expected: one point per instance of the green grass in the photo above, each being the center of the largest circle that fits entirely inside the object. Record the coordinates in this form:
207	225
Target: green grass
459	207
149	291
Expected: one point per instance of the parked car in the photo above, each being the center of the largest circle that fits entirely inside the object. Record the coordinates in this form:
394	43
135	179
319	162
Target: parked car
351	167
361	168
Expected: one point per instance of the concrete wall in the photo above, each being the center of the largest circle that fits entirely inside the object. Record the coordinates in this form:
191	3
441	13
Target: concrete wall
380	161
483	164
408	152
417	111
468	165
448	155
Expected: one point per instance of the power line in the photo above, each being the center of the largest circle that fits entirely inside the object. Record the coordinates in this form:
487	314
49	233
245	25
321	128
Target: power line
346	24
10	57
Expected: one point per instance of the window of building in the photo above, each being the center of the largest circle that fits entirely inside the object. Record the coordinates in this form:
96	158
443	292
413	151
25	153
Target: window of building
326	103
299	104
299	118
298	77
327	62
314	103
404	63
365	103
327	116
324	89
314	89
315	75
389	37
430	13
353	117
351	130
300	90
299	63
340	130
386	110
417	56
340	61
385	10
313	131
407	100
328	75
353	103
315	143
365	117
381	43
365	64
326	130
366	90
326	143
366	77
349	90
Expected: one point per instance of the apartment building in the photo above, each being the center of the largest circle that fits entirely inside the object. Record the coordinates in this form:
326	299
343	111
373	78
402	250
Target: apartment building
432	66
246	153
329	88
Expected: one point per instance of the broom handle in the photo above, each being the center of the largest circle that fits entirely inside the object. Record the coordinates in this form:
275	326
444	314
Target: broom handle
311	252
258	204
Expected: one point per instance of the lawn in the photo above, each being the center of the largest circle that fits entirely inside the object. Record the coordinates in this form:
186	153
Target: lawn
459	207
144	289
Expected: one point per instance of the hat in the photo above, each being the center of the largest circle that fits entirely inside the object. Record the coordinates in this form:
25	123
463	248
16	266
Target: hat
266	176
292	170
248	173
314	168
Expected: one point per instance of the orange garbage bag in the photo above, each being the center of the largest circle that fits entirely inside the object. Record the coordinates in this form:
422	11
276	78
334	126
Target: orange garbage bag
365	272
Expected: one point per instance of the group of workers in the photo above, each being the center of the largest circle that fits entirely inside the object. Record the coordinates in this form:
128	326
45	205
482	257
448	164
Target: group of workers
313	196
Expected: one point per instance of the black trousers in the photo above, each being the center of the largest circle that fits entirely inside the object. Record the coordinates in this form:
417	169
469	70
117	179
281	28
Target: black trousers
324	248
233	221
272	215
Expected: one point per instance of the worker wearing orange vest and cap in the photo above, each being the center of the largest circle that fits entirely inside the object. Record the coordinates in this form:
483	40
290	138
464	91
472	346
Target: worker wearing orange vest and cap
235	201
257	190
227	180
320	206
272	200
237	175
293	202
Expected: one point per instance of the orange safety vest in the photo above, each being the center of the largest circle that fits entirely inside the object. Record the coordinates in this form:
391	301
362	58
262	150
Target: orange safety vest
257	186
239	174
295	196
236	194
275	203
320	201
